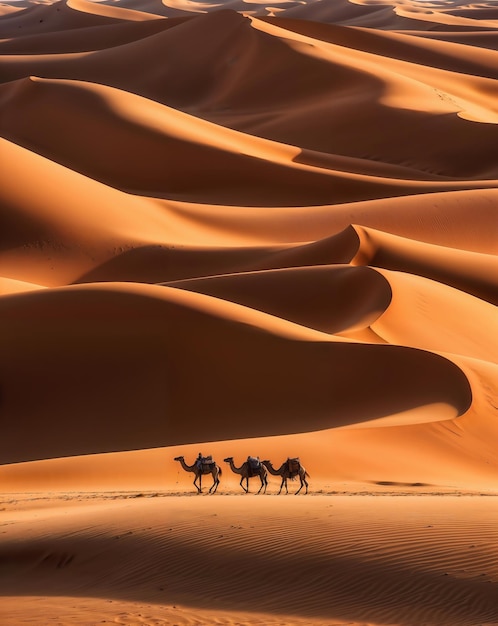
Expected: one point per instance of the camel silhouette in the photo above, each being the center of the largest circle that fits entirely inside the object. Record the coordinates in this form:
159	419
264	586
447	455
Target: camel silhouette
201	469
289	469
246	471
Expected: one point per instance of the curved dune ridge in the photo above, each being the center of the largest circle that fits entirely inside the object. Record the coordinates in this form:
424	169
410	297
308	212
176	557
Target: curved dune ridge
247	228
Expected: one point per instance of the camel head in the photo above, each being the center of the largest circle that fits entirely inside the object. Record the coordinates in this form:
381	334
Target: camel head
228	459
265	462
178	458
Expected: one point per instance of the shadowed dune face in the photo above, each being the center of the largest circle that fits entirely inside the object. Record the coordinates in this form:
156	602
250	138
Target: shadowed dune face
304	373
249	229
331	298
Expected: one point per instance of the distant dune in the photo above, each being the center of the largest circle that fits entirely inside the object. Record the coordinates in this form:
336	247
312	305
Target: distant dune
241	228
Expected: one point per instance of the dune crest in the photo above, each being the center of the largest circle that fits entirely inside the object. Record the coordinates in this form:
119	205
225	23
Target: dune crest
115	12
457	268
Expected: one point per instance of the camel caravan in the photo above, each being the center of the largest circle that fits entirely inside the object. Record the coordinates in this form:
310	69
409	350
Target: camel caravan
290	469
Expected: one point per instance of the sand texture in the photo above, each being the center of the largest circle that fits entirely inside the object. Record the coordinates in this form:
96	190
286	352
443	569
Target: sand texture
241	228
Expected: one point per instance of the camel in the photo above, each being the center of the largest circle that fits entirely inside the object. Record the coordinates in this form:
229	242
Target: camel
201	469
289	469
247	472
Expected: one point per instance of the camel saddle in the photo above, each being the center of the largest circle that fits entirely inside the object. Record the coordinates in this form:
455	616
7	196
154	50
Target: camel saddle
207	462
294	465
254	464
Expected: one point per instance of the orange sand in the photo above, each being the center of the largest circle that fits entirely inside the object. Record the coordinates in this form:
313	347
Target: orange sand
249	229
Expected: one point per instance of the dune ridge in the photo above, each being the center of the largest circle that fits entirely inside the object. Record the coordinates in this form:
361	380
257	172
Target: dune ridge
241	228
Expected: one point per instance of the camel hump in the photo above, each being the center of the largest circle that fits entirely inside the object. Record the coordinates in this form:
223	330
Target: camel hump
294	464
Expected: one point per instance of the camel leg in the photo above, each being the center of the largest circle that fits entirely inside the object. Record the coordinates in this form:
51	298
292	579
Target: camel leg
198	477
281	486
262	483
214	486
303	483
241	481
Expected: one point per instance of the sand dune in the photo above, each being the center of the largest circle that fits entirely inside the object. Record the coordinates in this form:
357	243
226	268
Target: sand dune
256	168
242	228
442	102
470	272
89	39
333	298
304	371
395	45
51	18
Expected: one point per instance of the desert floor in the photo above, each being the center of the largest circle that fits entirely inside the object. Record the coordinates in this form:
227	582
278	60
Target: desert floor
158	558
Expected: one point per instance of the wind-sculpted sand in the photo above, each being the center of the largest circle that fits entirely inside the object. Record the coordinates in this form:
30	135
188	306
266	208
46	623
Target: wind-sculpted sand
229	560
248	229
